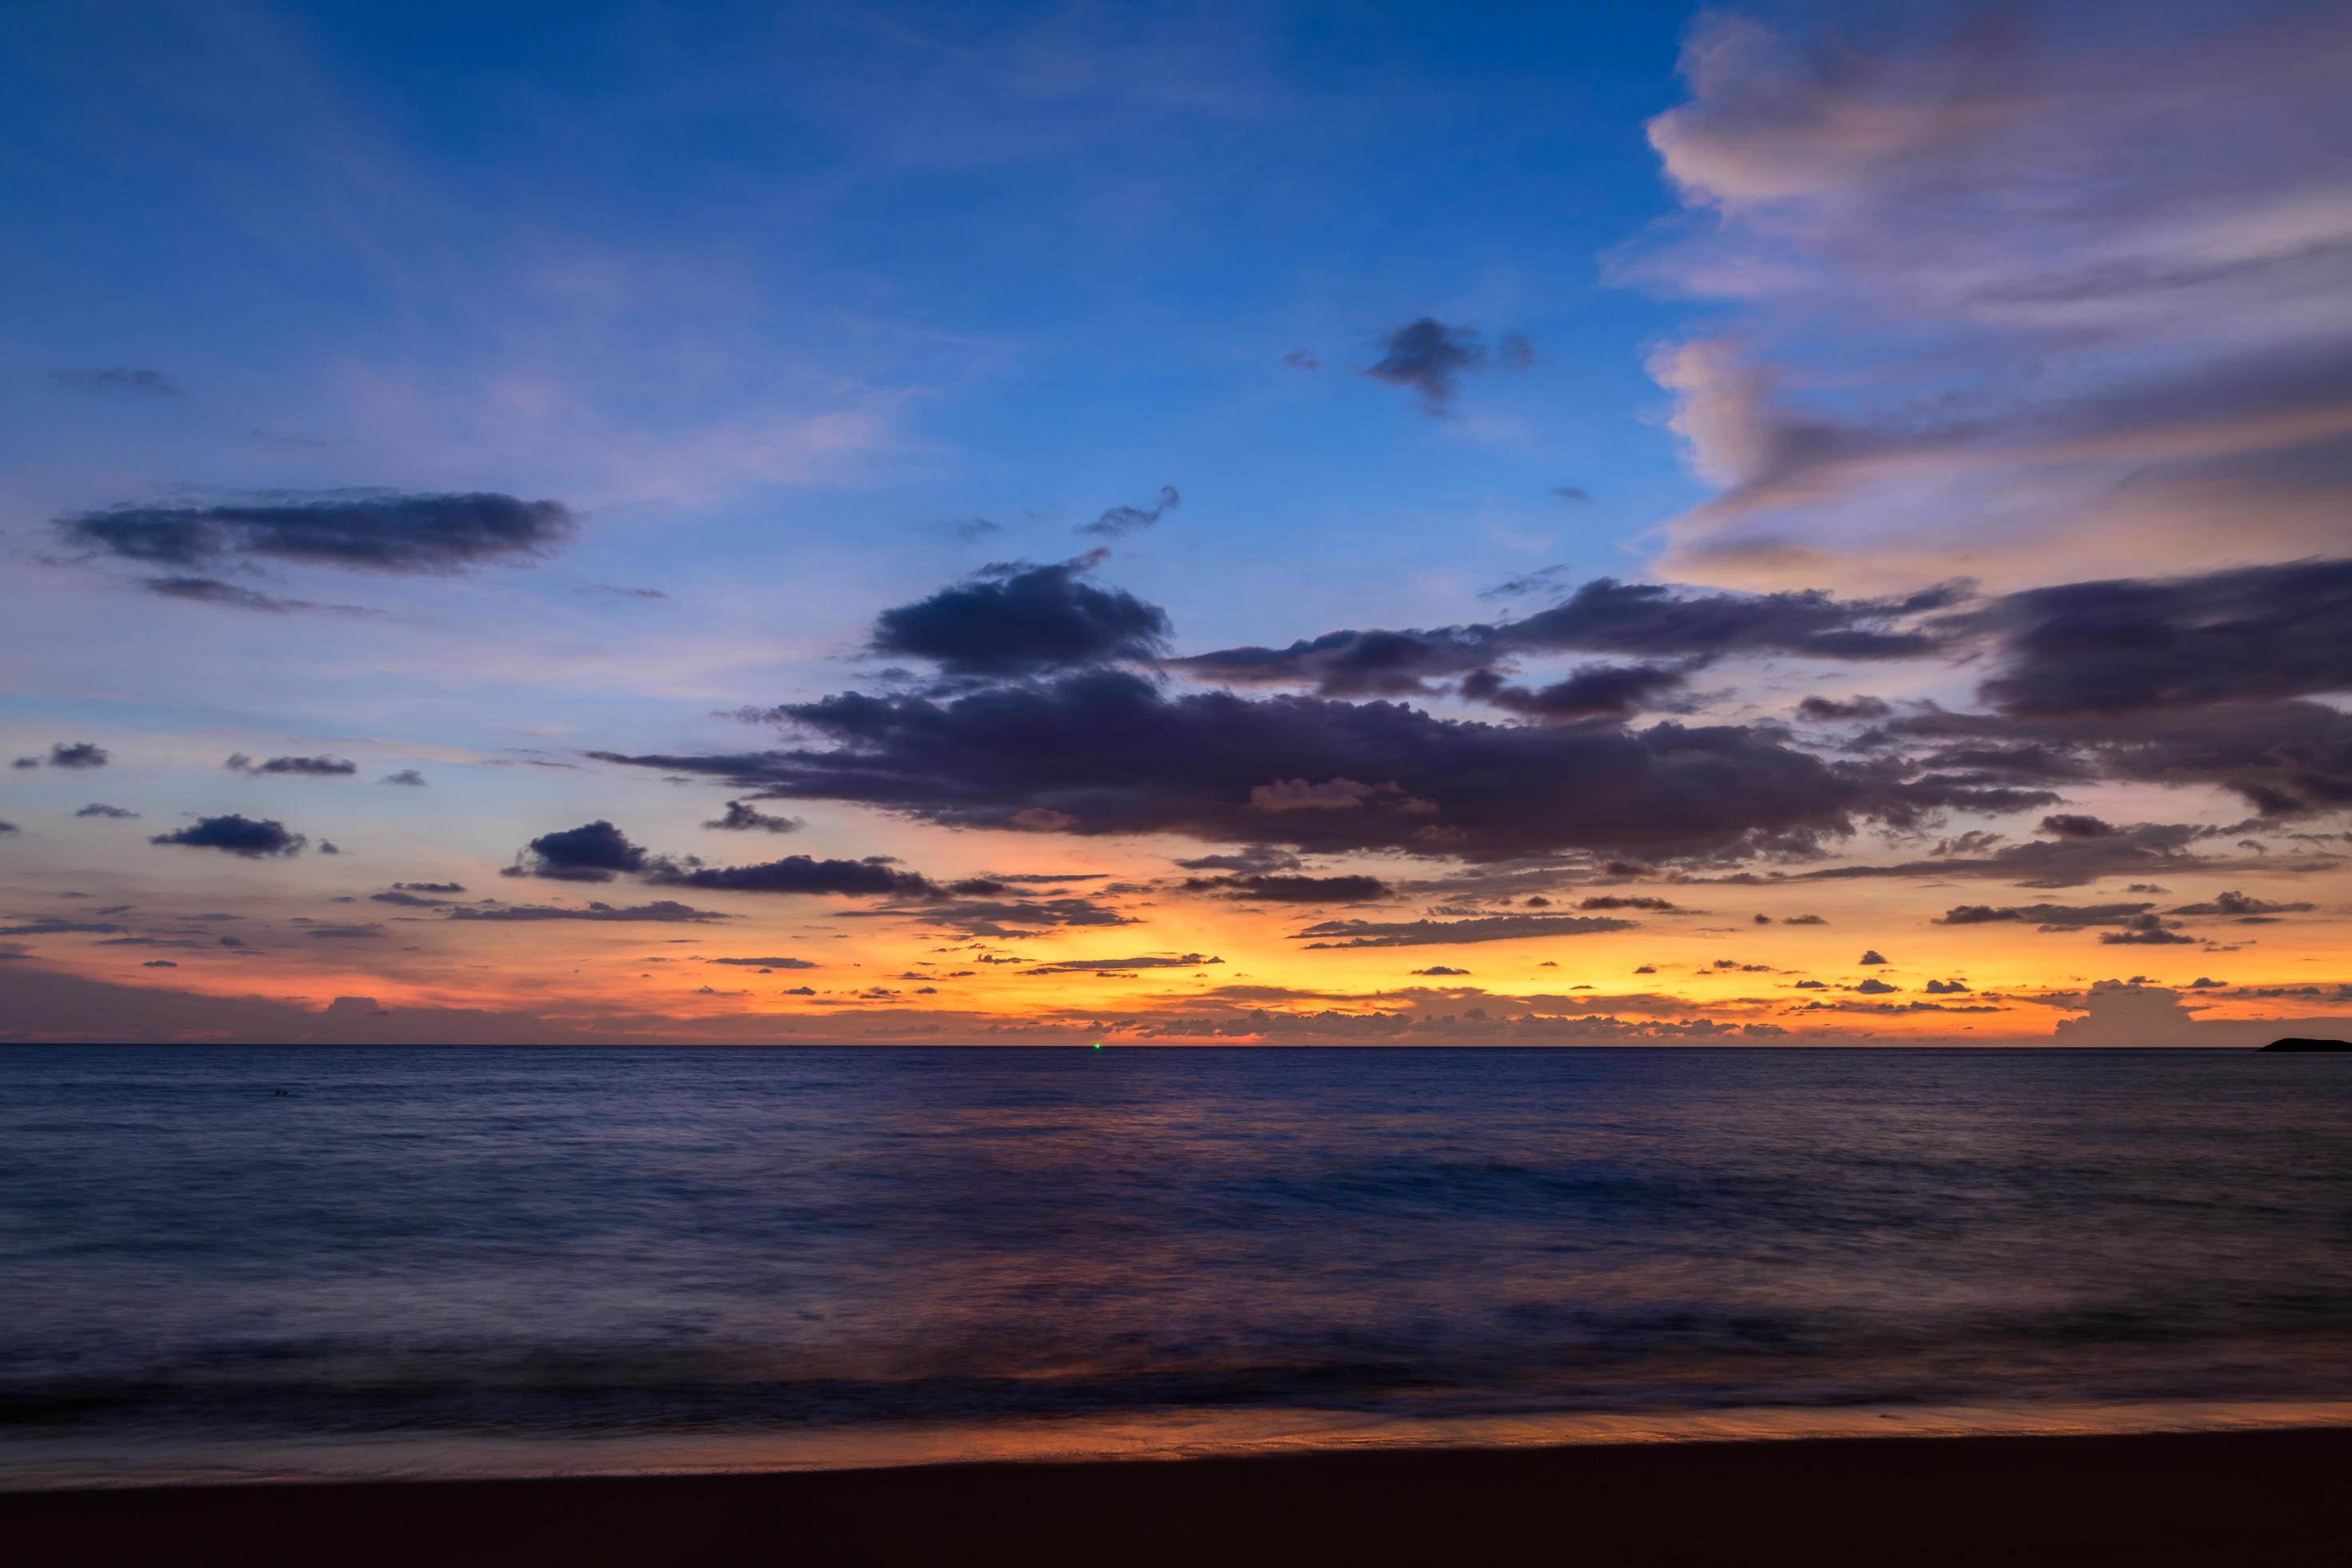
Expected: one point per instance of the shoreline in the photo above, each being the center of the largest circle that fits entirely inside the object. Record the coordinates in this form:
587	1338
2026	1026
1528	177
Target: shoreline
114	1462
2149	1497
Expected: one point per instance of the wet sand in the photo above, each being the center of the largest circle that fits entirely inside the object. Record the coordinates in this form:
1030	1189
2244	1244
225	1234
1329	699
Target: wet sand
2214	1497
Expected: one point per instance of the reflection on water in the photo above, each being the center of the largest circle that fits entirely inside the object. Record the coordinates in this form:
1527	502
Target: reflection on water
664	1251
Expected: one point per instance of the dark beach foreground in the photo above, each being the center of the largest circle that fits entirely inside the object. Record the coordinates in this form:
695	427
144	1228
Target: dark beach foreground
2210	1497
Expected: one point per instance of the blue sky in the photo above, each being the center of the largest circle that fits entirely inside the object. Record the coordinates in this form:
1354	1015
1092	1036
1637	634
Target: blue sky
1848	328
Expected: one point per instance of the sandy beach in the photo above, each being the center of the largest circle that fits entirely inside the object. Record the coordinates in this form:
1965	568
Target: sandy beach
2142	1499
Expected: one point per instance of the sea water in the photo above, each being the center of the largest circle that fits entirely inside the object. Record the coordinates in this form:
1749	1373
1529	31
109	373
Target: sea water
340	1260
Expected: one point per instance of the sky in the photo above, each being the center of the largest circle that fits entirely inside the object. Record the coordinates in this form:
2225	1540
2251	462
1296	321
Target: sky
1227	524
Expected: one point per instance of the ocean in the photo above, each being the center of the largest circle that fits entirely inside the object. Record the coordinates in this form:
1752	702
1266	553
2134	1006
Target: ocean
225	1261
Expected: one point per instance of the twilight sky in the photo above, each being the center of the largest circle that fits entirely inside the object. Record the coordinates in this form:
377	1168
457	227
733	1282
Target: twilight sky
1290	524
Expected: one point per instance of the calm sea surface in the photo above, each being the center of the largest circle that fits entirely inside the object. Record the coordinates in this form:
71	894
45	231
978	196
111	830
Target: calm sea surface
613	1257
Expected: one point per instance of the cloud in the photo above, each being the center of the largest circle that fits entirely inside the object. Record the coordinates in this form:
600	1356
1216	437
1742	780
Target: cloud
115	379
1109	751
1300	358
1652	622
1874	987
7	827
1435	970
1020	619
212	590
1595	692
1571	493
2242	906
114	812
2048	917
1429	933
353	933
1121	521
592	852
1833	709
235	835
1291	889
374	530
1904	216
1256	858
80	754
664	910
46	926
1946	987
1871	956
742	816
766	963
799	874
409	777
294	767
2123	645
1098	965
1432	358
2144	930
1010	918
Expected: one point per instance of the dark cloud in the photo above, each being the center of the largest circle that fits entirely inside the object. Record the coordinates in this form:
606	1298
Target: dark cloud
1435	970
968	530
46	927
594	852
430	886
2048	917
1007	919
742	816
610	591
294	767
115	379
1097	965
6	827
1595	692
766	963
354	933
377	530
2144	930
158	963
1254	858
80	754
407	899
1874	987
1125	520
1832	709
409	777
2061	863
1628	902
1571	493
1432	358
1293	889
1111	752
2237	905
661	909
797	874
2254	635
235	835
115	812
1432	933
1650	622
1946	987
1300	358
1871	956
1020	620
212	590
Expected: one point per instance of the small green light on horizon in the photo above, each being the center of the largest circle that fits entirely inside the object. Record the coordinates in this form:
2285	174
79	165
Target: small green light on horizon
1098	1045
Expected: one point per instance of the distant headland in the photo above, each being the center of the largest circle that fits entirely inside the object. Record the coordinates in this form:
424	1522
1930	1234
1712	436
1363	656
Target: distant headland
2292	1043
